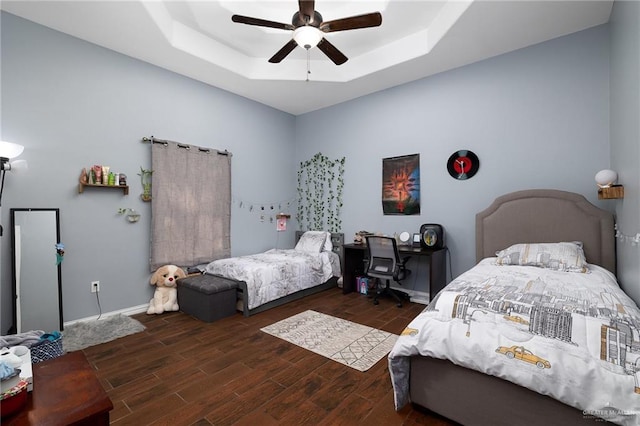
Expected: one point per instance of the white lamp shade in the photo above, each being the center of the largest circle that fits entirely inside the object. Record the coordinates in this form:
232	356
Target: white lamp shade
307	36
10	149
606	178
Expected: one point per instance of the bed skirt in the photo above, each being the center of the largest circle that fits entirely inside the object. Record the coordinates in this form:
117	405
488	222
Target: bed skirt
242	304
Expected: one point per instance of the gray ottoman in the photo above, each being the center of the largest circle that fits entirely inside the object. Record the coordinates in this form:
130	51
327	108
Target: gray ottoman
207	297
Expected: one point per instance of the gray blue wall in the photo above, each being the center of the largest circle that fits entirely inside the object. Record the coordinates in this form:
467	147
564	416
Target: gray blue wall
625	135
73	104
537	118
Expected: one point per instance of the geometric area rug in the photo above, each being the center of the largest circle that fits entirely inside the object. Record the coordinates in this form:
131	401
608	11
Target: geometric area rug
346	342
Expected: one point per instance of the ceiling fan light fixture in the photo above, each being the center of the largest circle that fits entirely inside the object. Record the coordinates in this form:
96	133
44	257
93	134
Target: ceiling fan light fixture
307	36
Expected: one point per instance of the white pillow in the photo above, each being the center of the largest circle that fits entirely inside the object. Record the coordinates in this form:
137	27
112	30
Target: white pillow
312	242
328	245
565	256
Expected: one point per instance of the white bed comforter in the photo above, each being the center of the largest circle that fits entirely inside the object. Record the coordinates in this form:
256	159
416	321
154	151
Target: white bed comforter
572	336
277	273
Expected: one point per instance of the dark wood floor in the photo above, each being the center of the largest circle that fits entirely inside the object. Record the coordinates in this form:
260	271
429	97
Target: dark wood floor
182	371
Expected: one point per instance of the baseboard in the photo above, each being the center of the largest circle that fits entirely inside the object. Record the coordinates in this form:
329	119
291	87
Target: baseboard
128	311
414	295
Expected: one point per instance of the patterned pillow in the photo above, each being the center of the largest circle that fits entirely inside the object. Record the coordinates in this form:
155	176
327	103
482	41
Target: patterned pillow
566	256
312	242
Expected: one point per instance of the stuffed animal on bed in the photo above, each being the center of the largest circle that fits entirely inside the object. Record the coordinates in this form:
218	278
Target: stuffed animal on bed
165	297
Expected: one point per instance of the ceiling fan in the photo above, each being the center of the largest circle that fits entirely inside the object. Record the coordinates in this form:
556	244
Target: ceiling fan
309	29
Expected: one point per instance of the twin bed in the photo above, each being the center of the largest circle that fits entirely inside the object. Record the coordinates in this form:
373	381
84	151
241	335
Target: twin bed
533	335
270	279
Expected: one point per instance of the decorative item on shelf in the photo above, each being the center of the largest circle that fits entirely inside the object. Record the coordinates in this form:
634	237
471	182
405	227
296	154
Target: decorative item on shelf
145	179
607	188
84	176
96	175
132	215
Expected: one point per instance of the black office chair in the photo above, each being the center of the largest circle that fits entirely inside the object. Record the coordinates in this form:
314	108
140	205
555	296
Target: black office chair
386	264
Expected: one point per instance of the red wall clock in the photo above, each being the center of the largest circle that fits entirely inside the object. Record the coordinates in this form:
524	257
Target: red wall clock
463	164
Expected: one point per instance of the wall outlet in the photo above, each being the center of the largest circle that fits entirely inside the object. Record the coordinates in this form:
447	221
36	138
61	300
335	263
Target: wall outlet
95	286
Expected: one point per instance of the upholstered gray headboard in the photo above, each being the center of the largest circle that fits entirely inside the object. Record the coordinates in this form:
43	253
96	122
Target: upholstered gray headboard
546	215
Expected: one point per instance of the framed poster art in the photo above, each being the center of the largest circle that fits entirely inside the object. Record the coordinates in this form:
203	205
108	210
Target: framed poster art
401	185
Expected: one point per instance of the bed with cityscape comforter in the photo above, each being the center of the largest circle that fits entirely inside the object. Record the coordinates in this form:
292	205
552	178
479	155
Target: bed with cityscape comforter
538	331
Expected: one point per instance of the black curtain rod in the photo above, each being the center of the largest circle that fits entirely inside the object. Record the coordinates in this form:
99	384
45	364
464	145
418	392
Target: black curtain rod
166	142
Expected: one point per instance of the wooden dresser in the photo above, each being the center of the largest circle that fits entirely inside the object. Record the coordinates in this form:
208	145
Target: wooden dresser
65	391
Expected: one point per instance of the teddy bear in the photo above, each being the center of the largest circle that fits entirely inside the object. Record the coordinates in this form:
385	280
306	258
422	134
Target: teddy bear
165	297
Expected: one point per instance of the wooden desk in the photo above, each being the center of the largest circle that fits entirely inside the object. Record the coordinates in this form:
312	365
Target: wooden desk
354	255
65	391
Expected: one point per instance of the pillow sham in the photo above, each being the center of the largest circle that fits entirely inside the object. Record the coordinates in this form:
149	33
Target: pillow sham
312	242
328	245
564	256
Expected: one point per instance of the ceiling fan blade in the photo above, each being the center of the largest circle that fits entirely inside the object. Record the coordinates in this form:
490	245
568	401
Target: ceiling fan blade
352	23
332	52
261	22
282	53
307	7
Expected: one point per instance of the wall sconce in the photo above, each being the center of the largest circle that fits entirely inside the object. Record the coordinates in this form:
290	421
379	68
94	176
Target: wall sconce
607	189
606	178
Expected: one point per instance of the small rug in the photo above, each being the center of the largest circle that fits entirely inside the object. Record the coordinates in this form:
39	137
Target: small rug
83	334
346	342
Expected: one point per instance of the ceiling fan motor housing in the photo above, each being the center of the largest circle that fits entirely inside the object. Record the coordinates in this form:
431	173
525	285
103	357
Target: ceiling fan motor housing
299	21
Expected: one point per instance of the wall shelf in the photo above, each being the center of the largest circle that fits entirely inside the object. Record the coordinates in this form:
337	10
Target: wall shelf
81	186
610	193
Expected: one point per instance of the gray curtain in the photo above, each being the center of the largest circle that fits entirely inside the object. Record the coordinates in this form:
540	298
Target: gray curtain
191	204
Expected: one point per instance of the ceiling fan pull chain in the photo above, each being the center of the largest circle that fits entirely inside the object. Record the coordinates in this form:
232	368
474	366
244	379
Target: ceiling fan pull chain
308	63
